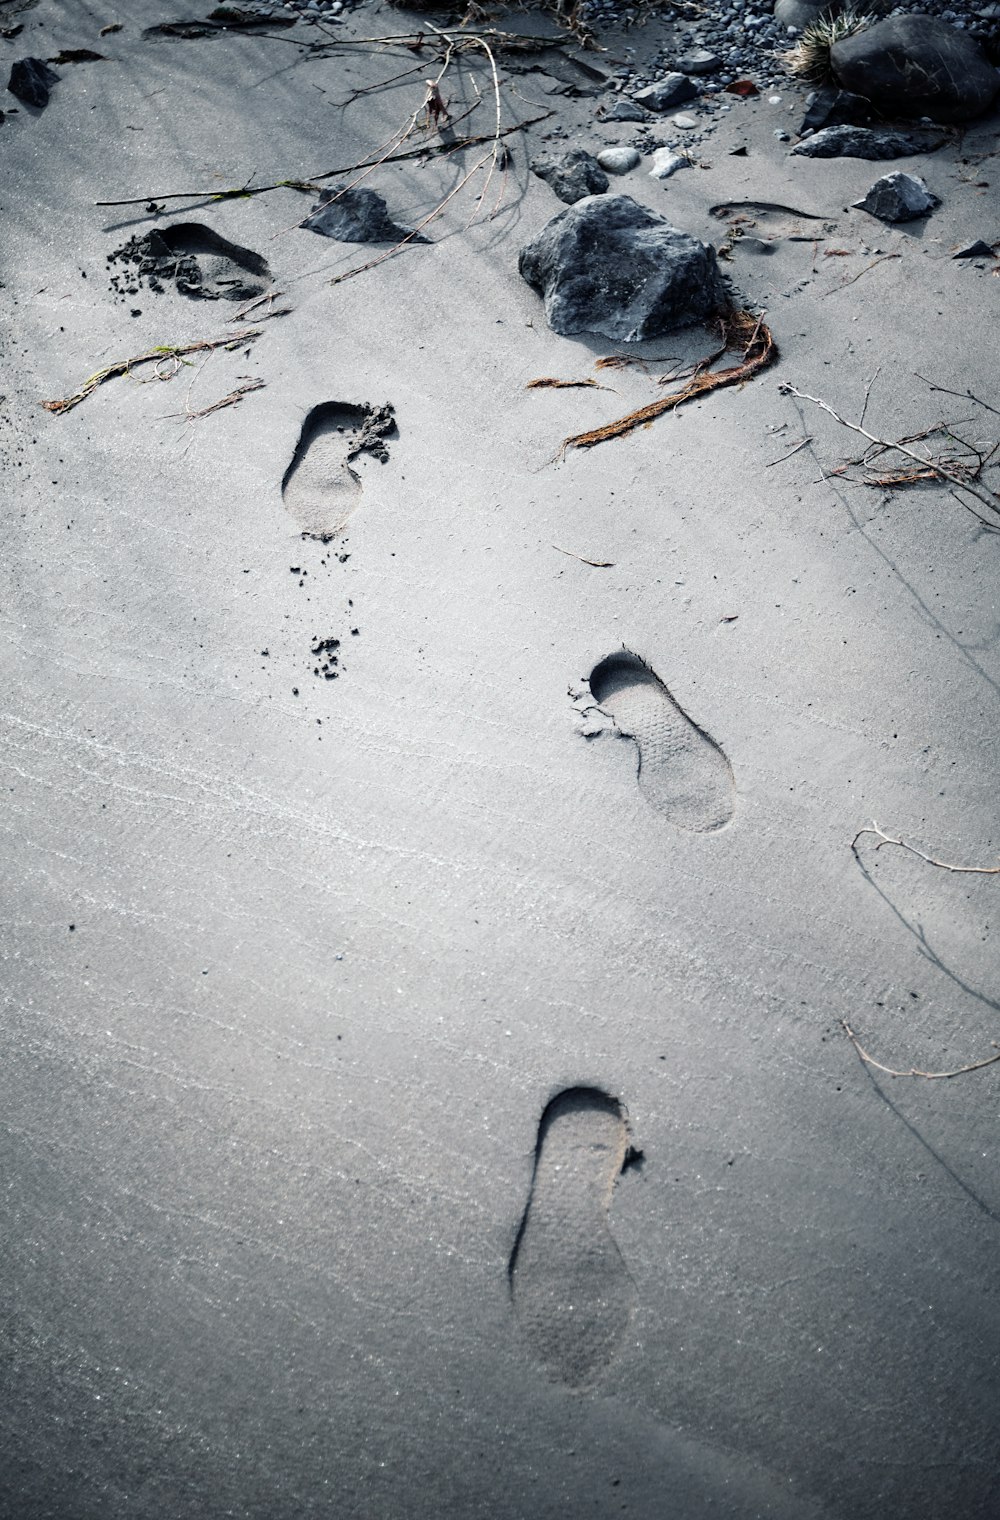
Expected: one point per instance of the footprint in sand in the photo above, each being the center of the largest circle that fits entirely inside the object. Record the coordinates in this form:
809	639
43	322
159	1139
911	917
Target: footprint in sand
195	259
682	771
571	1290
770	222
320	489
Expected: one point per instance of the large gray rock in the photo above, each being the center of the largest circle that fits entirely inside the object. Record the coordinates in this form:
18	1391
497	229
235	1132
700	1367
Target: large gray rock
607	265
571	175
898	198
865	142
917	66
802	13
673	90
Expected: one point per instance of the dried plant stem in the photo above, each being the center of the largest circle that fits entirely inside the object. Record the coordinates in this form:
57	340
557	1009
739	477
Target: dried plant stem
982	493
943	865
152	356
739	328
929	1076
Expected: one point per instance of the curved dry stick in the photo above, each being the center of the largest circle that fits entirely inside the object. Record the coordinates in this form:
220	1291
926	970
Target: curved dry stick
760	351
944	865
929	1076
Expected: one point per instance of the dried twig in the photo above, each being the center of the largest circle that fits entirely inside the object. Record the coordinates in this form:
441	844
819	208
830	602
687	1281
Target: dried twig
598	564
152	356
930	1076
943	470
801	445
546	382
844	283
233	399
944	865
313	182
740	329
965	395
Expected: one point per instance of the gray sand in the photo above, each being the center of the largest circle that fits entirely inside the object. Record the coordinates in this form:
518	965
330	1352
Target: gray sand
293	965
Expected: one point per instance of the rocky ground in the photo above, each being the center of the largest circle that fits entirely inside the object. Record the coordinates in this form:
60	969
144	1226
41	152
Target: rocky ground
478	559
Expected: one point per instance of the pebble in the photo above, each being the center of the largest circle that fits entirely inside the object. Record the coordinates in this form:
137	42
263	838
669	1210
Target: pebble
686	122
618	160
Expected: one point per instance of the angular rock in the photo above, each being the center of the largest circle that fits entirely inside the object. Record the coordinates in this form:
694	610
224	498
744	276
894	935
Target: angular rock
976	250
673	90
917	66
357	216
620	108
836	108
31	79
618	160
571	175
802	13
872	143
898	198
608	265
667	162
700	61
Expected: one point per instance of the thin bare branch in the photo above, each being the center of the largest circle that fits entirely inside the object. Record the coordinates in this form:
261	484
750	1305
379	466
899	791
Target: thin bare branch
944	865
157	356
974	487
929	1076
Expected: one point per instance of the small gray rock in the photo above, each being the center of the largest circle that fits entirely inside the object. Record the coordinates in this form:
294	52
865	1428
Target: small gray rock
618	160
30	81
802	13
700	61
666	162
976	250
835	108
357	216
914	65
608	265
620	108
872	143
571	175
674	90
898	198
686	123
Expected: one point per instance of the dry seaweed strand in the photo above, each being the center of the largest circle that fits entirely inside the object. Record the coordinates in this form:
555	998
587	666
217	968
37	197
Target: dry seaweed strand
598	564
546	382
233	399
151	356
739	329
928	1076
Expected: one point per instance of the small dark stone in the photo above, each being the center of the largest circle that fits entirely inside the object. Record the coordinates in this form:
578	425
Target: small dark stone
357	216
976	250
571	175
31	79
898	198
619	108
872	143
836	108
671	91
